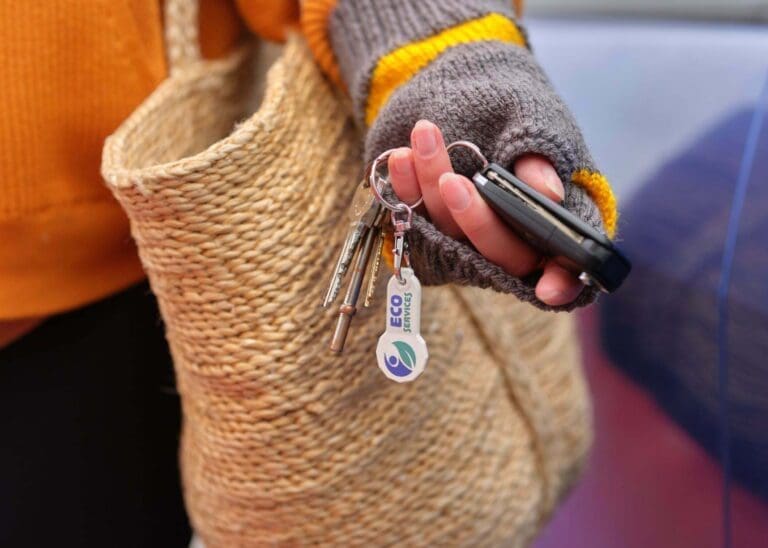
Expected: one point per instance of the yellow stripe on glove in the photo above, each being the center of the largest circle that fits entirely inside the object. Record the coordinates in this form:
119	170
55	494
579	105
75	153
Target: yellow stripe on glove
399	66
599	189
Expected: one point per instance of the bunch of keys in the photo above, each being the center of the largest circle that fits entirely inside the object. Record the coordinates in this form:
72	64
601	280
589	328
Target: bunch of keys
547	226
401	351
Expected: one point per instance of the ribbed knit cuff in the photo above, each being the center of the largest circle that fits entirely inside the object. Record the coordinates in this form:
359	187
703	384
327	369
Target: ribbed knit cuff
398	35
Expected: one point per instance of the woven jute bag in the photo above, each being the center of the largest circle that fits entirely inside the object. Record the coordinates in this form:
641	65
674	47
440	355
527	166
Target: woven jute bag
237	218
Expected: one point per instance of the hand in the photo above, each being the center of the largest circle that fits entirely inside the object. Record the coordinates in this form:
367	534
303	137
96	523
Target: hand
455	207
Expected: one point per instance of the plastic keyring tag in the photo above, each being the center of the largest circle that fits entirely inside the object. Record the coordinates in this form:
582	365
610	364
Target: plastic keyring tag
402	352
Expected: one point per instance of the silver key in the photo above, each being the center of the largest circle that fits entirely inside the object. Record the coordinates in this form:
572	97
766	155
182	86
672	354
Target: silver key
364	213
351	244
361	202
348	308
338	273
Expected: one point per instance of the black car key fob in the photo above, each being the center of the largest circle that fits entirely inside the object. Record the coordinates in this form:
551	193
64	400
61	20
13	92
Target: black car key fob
553	230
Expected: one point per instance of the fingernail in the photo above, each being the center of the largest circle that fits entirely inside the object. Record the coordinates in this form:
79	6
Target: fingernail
454	192
402	165
425	138
550	295
552	180
556	297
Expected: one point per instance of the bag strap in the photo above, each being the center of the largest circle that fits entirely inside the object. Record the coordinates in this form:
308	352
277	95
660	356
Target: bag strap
182	40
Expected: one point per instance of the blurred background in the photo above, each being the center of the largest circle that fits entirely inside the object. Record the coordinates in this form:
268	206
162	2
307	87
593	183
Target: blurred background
672	97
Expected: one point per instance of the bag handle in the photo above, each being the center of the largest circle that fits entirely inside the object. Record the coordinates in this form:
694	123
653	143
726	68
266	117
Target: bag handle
182	41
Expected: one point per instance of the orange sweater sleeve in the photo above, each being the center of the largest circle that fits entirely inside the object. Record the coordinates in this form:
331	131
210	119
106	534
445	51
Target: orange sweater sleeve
270	18
70	73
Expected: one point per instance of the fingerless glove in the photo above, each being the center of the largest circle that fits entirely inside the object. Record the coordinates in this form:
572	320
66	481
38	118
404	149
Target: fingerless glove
466	66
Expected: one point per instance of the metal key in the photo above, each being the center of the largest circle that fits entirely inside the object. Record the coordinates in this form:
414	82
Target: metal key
348	308
351	244
378	249
364	213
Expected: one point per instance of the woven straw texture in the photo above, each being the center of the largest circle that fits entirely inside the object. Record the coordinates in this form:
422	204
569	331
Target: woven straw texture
283	443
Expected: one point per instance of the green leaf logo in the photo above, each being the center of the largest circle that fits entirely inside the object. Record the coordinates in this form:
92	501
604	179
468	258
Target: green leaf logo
407	355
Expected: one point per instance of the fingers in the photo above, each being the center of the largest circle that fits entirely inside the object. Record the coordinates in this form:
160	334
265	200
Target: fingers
485	230
557	286
402	175
537	172
457	209
431	160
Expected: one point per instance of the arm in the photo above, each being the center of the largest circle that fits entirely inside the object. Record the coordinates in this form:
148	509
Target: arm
466	66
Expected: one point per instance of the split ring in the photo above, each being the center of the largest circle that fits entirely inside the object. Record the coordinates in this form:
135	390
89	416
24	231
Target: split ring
472	147
372	182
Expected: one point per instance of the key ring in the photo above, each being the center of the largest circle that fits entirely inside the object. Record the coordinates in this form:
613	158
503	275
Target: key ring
373	176
384	156
472	147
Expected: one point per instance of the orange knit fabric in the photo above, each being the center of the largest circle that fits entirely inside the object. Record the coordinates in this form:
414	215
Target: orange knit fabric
314	26
70	73
270	18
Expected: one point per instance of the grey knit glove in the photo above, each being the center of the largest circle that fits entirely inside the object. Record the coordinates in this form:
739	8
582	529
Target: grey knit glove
465	66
